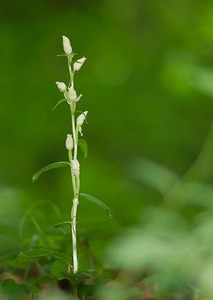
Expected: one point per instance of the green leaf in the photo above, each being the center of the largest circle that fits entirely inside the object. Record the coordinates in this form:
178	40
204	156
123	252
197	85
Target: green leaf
33	253
13	289
154	175
59	102
59	269
39	230
62	224
202	80
61	256
83	146
76	278
60	164
98	202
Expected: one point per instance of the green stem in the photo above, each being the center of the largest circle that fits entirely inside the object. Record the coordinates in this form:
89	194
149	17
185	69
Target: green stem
71	74
75	178
73	230
75	136
77	185
74	185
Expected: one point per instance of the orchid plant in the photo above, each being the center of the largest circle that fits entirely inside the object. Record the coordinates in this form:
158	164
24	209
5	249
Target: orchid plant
72	144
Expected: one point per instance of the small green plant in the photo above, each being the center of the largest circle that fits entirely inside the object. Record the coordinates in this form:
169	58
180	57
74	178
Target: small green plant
72	144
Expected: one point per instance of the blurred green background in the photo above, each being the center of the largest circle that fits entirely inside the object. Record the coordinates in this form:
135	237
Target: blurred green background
147	84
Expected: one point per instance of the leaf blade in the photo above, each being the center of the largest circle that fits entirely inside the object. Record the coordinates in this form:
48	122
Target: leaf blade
60	226
59	164
99	202
59	102
33	254
59	269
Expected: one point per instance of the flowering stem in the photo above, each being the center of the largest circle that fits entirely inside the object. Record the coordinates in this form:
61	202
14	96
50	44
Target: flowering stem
75	182
75	179
72	139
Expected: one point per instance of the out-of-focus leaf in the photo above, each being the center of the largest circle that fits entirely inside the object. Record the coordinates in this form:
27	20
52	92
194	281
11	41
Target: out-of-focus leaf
83	146
192	193
151	244
63	224
98	202
33	253
59	269
154	175
76	278
202	168
13	289
59	164
40	232
137	251
202	80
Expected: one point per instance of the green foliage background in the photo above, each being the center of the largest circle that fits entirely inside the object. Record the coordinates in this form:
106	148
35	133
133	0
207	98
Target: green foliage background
147	84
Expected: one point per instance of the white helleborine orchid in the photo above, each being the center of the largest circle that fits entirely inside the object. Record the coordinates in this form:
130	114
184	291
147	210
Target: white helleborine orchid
80	120
78	64
72	96
61	86
66	45
69	142
75	167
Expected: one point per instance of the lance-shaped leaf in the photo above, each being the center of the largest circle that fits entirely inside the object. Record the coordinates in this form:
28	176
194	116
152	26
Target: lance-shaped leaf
59	164
63	224
98	202
59	269
33	254
83	146
59	102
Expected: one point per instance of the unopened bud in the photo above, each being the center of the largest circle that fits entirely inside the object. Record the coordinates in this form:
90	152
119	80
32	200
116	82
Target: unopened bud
81	119
66	45
61	86
78	64
75	167
69	142
72	94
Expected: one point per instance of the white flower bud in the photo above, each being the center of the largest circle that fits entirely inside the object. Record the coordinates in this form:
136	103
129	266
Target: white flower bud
72	94
69	142
78	64
61	86
81	118
75	167
66	45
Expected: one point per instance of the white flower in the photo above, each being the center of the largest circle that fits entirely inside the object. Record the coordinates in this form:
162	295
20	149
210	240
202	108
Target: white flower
69	142
75	167
66	45
81	118
61	86
72	94
78	64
